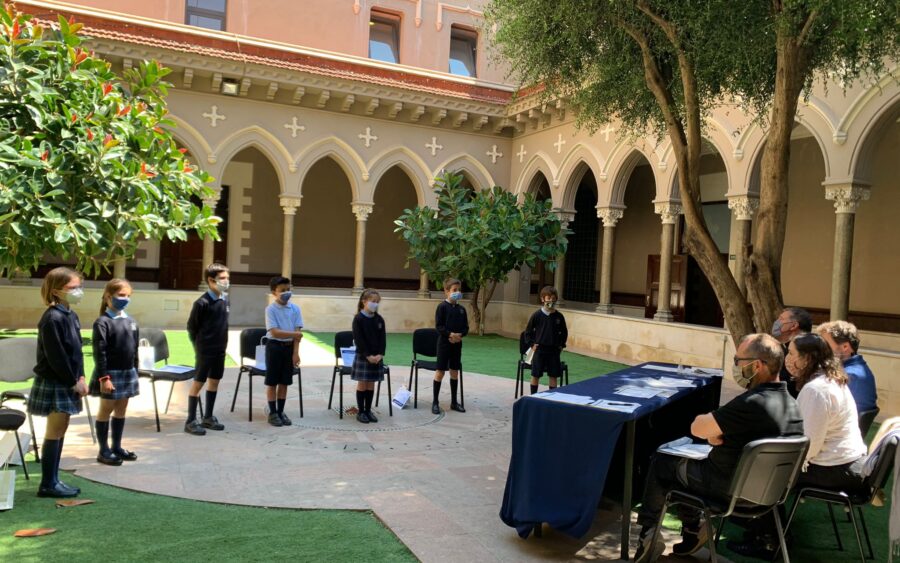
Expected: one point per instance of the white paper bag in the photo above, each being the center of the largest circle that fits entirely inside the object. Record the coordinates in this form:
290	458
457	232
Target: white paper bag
529	355
401	397
261	355
146	355
348	356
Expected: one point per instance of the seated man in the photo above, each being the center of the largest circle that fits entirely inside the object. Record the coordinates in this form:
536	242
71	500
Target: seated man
765	410
844	341
792	322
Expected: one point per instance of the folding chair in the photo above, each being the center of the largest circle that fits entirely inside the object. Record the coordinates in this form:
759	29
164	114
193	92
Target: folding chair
250	338
17	359
523	365
763	479
344	339
425	344
875	482
866	418
10	421
157	339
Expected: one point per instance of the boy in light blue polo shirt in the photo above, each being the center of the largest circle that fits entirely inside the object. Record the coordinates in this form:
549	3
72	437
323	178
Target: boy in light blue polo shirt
283	323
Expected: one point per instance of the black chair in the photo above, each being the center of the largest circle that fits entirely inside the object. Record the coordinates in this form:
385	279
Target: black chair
875	482
523	365
17	359
11	420
159	342
866	418
344	339
250	339
764	476
425	344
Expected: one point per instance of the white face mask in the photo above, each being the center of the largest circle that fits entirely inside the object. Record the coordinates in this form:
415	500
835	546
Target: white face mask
223	286
73	296
372	306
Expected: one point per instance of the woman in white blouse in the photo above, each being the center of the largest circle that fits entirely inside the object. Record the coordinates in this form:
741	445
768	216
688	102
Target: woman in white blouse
830	421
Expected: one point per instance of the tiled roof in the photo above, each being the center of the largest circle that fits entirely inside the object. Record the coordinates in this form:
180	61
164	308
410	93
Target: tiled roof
232	49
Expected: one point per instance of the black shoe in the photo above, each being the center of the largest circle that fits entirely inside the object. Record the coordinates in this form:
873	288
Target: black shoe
125	455
435	408
193	427
109	458
57	490
284	419
275	419
457	407
758	549
691	540
75	490
371	416
212	423
646	552
362	417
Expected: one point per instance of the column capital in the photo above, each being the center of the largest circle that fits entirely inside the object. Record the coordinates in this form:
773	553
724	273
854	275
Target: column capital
362	210
610	215
743	207
565	216
846	197
668	211
289	204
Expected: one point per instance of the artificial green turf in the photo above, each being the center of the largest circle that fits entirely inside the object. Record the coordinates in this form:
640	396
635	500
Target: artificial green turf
128	526
489	354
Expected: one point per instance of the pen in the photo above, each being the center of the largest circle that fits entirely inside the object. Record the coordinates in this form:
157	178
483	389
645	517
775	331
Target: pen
620	404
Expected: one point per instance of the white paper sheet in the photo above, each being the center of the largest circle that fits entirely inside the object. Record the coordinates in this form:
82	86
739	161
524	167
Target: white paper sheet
174	369
620	406
564	397
635	391
685	447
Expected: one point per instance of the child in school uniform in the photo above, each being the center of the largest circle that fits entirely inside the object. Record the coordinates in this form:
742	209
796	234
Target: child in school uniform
207	329
452	324
115	378
59	374
284	322
371	342
546	333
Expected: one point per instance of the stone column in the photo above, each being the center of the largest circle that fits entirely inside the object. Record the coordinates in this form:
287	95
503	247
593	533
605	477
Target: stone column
119	268
742	208
559	275
610	217
669	213
846	197
209	253
362	211
289	207
423	285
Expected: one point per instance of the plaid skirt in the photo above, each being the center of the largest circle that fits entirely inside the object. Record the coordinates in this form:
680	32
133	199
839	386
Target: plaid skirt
48	396
124	380
365	371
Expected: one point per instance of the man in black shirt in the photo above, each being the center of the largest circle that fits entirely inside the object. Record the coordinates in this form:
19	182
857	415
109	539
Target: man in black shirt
765	410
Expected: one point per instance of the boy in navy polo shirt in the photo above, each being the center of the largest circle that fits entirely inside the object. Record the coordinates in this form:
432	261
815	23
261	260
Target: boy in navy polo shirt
208	331
452	325
283	322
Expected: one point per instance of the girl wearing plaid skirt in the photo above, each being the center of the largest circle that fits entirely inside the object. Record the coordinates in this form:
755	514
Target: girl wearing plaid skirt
59	374
115	378
371	341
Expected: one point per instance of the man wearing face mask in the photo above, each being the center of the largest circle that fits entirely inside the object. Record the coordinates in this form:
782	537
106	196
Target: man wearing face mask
764	410
791	322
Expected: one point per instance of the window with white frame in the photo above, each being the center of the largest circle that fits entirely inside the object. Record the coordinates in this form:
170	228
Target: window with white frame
384	37
206	13
463	48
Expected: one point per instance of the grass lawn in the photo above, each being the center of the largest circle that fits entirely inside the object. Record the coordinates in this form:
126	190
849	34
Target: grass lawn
128	526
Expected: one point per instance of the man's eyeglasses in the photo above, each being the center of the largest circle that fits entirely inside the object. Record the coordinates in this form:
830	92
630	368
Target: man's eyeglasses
737	359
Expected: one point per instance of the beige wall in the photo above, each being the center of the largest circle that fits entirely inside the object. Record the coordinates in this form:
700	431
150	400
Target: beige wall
266	217
325	229
637	234
385	250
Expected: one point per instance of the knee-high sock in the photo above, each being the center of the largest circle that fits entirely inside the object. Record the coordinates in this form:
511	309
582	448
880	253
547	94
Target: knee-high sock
102	435
534	389
454	383
280	406
361	400
369	394
118	427
437	390
210	402
192	408
49	463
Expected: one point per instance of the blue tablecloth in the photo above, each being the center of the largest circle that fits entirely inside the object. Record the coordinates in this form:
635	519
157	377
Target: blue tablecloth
561	452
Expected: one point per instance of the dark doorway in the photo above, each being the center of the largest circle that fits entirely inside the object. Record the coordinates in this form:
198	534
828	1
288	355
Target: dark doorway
181	263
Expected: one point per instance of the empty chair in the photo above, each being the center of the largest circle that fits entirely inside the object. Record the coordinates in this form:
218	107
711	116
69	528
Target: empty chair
523	365
250	339
344	339
159	342
763	478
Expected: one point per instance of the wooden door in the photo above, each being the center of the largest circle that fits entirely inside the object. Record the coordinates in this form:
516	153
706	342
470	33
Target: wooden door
679	279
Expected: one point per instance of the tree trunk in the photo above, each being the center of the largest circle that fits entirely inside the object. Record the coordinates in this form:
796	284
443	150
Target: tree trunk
476	310
763	267
480	305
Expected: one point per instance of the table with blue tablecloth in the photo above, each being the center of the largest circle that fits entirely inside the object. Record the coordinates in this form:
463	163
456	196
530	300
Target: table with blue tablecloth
565	457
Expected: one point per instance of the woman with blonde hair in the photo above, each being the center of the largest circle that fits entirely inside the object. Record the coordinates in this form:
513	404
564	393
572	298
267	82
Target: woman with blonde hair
115	379
59	374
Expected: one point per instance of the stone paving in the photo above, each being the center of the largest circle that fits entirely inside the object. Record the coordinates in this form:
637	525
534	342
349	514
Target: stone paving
435	481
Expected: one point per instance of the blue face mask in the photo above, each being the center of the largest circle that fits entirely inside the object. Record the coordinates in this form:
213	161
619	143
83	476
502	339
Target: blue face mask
119	303
456	296
776	329
286	296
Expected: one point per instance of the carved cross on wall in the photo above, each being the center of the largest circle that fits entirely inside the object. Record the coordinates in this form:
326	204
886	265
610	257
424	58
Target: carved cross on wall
494	154
522	152
606	131
294	126
214	117
433	146
368	137
559	143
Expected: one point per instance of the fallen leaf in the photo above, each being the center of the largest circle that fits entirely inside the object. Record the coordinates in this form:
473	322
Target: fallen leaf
34	532
73	502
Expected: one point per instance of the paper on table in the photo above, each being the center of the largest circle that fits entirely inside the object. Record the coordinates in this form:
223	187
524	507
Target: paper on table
674	382
669	369
174	369
687	370
619	406
564	397
685	447
634	391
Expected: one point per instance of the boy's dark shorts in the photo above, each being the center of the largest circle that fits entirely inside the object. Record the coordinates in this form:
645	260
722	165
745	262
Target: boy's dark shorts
210	367
449	356
279	362
546	361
